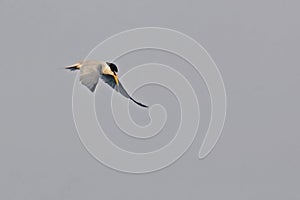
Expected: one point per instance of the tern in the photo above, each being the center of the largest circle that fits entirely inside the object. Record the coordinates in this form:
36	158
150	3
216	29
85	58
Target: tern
92	71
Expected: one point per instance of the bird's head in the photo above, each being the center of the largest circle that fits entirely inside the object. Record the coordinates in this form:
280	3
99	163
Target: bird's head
114	69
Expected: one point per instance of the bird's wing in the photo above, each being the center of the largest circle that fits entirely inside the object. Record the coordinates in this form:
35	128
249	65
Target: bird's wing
108	79
119	88
89	75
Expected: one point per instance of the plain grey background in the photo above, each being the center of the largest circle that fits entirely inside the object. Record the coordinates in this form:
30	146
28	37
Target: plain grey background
255	45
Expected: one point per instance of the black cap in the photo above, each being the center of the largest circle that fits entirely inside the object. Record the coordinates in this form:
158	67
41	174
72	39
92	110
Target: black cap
112	66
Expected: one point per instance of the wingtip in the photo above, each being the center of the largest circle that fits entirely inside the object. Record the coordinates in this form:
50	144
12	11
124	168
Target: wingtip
138	103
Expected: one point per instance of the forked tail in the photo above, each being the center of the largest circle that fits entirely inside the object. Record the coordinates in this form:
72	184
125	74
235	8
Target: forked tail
74	67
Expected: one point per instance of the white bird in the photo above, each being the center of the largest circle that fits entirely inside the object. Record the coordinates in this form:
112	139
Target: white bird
91	71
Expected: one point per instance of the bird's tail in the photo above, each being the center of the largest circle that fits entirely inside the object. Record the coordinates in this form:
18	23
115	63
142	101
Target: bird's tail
74	67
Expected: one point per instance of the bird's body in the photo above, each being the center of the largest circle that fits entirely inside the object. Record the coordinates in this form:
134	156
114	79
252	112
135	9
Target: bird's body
91	71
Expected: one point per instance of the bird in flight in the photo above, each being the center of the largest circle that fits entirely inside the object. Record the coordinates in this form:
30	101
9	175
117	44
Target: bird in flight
91	71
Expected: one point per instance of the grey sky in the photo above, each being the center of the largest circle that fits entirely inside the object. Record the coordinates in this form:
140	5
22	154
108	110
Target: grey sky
255	45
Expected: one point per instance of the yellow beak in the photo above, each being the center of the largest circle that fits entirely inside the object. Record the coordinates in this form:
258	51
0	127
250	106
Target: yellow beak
116	79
